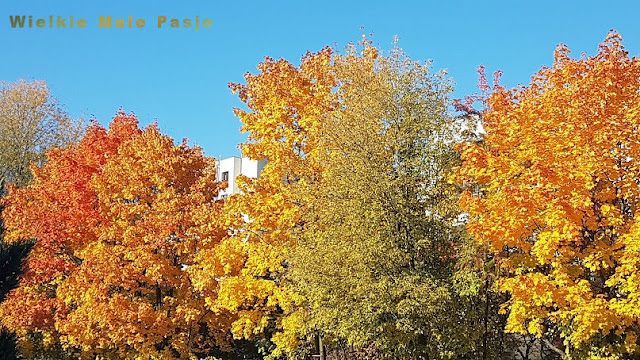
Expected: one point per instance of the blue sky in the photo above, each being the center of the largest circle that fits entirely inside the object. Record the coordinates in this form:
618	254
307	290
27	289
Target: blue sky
179	76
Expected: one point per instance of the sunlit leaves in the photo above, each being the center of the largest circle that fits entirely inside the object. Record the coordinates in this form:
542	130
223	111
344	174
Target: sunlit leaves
374	254
241	274
118	218
31	122
555	195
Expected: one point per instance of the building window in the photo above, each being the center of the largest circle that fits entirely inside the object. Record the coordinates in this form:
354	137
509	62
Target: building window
225	176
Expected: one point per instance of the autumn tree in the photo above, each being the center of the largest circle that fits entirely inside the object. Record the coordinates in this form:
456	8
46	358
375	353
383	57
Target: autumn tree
242	274
118	219
349	231
60	210
133	279
553	190
376	249
477	269
31	122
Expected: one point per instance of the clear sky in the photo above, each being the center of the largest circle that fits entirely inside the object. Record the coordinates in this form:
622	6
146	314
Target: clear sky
179	77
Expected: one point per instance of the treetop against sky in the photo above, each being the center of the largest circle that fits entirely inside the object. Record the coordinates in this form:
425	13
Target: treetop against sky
179	76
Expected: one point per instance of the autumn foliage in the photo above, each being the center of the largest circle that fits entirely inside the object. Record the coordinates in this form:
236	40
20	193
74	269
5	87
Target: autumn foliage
286	107
382	222
108	274
59	209
553	190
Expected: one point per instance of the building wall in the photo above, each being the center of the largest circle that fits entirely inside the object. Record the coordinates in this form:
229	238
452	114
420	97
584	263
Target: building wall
251	168
230	168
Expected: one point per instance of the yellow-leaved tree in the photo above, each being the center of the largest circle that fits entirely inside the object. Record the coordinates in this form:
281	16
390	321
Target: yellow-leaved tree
242	274
376	244
553	190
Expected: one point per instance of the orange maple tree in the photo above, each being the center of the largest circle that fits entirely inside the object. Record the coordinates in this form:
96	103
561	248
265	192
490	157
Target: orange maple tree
60	210
242	274
118	220
553	190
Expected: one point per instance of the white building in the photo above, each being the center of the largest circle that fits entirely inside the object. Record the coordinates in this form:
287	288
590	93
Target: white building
228	170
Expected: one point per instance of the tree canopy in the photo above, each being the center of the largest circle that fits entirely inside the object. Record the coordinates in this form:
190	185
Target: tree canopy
31	122
554	194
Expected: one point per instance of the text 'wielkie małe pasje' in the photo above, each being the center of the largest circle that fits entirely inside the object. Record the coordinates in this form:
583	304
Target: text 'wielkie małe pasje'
107	22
